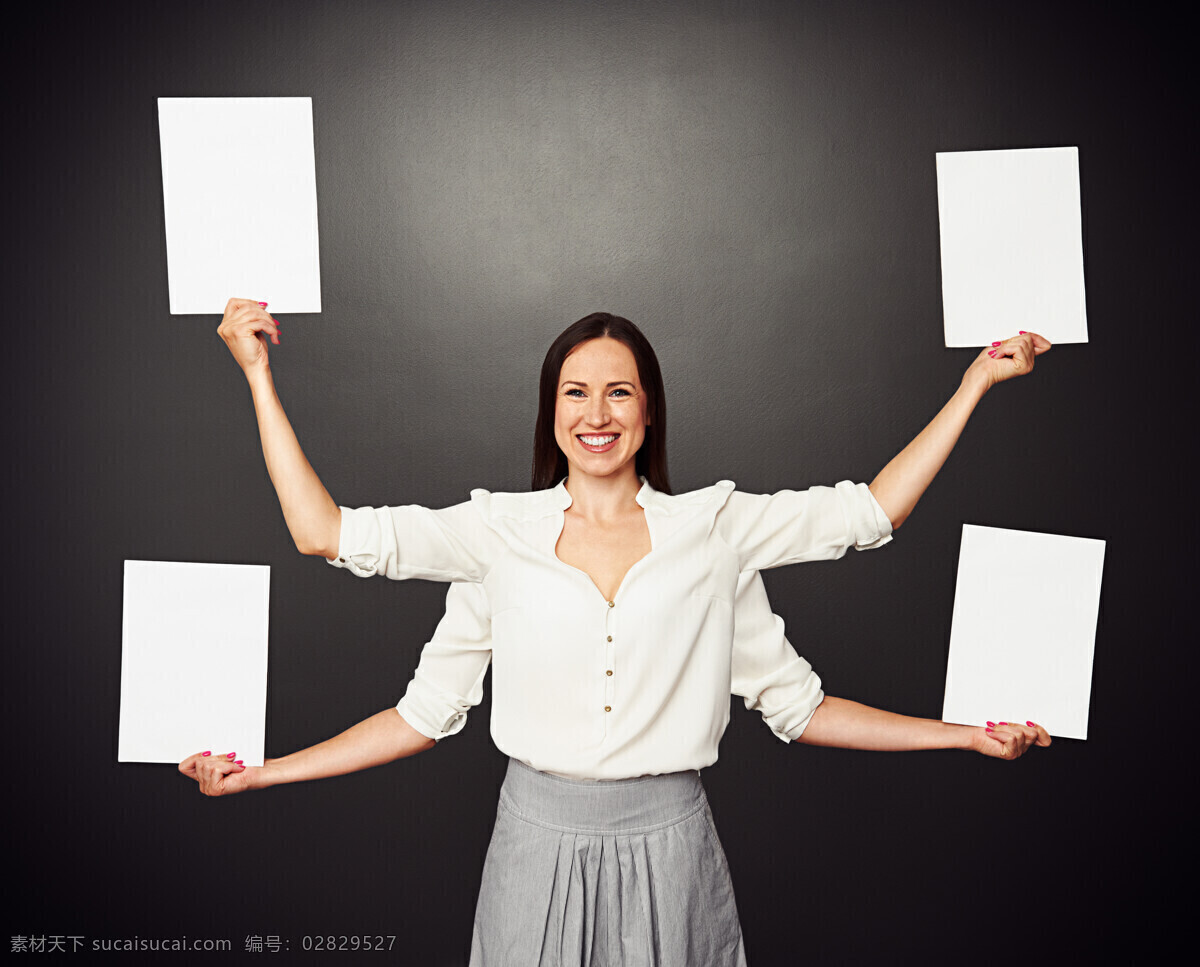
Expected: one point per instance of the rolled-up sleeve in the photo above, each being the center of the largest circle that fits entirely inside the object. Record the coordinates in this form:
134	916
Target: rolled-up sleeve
821	523
453	544
766	671
448	681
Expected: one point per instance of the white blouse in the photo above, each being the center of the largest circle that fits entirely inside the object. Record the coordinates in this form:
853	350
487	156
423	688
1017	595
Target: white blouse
588	688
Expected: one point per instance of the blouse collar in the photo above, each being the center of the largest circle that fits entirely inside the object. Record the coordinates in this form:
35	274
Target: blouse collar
562	496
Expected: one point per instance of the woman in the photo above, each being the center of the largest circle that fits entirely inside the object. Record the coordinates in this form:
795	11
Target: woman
612	607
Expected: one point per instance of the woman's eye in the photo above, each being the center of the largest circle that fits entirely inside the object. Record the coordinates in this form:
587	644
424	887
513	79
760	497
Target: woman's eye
622	392
577	393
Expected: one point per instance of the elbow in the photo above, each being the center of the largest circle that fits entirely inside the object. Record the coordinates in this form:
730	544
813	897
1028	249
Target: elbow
306	545
895	517
327	542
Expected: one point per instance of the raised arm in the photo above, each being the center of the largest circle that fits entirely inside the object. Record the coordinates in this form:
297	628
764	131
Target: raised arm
382	738
312	517
843	724
901	483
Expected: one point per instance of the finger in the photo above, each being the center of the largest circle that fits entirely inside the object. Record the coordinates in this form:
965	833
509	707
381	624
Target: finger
1040	343
999	744
188	765
1019	739
1027	732
213	772
251	320
1018	351
238	302
1006	740
1043	737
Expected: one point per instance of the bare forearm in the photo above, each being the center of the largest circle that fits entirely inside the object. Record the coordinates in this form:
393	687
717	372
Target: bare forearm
843	724
382	738
901	483
312	517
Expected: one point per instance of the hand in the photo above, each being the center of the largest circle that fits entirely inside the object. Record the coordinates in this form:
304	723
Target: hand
1004	360
1008	740
219	775
245	327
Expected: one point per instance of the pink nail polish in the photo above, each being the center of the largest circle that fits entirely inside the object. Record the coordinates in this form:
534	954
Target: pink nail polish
1004	723
231	755
207	753
996	344
239	762
263	304
992	353
987	730
1031	725
1021	333
992	724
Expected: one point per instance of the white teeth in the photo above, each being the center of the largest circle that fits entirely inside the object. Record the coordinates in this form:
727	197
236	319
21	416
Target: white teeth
598	441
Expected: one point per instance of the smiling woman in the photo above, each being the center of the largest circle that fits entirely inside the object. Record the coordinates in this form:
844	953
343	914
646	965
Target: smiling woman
618	619
642	381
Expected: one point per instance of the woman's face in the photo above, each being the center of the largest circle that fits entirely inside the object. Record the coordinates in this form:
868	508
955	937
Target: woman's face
600	410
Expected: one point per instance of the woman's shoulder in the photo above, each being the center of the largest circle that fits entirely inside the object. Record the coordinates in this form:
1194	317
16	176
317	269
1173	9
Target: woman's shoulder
713	496
530	505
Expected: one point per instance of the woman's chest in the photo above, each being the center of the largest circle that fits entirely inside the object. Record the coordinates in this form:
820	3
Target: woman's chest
641	582
605	554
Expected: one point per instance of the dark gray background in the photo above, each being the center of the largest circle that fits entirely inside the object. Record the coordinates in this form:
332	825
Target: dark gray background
754	185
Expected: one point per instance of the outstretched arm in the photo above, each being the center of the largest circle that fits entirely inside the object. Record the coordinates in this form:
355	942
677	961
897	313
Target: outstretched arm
312	517
382	738
843	724
901	483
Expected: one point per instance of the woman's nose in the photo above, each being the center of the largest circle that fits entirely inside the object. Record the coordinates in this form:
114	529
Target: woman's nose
597	414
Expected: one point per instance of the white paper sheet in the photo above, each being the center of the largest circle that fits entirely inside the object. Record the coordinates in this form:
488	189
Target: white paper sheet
1024	629
193	661
1012	245
240	196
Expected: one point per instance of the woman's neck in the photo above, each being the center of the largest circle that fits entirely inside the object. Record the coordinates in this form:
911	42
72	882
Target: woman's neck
603	498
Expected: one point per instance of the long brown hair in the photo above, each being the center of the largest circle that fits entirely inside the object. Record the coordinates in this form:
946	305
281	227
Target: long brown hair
549	462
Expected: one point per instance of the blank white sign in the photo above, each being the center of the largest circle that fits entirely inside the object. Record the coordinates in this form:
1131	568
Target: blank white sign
1024	629
240	196
1012	245
193	661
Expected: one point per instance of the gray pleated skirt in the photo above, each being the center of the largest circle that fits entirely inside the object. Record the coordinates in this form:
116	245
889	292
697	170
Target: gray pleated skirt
622	873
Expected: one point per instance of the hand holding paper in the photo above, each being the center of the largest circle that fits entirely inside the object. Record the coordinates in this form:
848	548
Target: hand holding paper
244	327
219	775
1004	359
1008	740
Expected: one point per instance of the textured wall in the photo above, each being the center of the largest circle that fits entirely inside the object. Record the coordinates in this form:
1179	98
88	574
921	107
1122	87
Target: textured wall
754	184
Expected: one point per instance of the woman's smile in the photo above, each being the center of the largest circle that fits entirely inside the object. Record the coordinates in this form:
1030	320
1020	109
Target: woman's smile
598	443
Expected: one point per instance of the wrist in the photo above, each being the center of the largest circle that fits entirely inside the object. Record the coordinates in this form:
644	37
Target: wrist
966	737
259	378
267	775
974	385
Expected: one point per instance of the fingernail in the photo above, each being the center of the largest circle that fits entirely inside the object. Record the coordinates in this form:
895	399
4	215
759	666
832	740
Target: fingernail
1031	725
207	753
992	353
996	344
1021	333
1004	723
987	730
263	304
992	724
239	762
231	755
